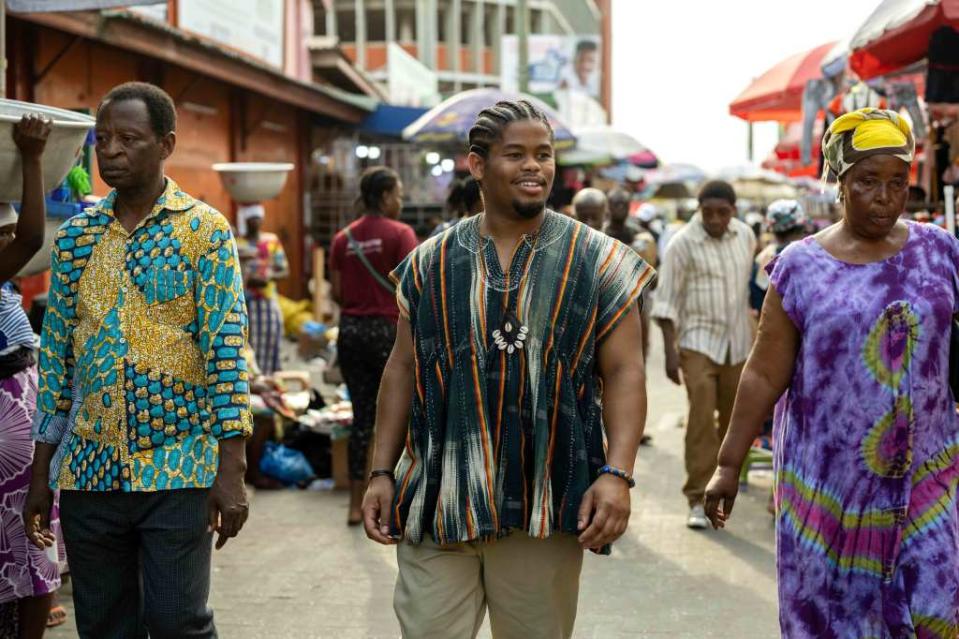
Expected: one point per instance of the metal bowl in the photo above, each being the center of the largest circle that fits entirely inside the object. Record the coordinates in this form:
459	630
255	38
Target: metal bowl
249	182
61	152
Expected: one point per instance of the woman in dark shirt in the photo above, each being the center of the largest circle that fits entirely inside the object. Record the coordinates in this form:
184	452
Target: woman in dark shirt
361	259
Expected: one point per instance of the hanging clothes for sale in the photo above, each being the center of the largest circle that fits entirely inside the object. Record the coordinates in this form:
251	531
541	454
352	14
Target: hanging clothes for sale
903	95
942	76
860	96
815	99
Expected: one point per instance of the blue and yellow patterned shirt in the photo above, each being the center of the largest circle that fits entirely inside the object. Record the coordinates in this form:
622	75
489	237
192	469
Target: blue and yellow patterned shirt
141	364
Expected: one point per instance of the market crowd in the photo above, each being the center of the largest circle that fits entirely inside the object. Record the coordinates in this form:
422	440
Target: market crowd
496	371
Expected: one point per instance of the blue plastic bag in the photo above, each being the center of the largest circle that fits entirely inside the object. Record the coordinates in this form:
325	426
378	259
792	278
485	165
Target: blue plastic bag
285	464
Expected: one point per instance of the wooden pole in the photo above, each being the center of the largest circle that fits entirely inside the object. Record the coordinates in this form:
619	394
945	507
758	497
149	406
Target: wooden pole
319	277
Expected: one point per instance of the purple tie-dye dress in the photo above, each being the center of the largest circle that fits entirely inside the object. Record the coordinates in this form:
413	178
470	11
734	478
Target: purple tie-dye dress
867	444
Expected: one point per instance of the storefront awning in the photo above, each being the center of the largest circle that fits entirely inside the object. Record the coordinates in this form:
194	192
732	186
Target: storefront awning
160	41
390	120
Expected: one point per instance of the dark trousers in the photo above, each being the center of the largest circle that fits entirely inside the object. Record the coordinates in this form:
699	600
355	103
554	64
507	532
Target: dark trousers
140	563
363	346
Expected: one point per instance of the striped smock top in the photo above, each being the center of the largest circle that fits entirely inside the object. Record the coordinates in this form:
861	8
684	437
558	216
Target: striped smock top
507	439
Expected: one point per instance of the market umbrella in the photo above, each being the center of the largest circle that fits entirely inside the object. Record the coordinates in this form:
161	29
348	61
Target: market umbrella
776	95
897	34
677	172
669	191
606	145
755	183
450	121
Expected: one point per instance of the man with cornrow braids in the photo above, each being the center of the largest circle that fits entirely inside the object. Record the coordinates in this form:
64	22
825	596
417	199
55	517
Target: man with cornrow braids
512	404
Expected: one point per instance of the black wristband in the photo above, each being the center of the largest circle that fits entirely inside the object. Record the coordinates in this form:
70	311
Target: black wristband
382	472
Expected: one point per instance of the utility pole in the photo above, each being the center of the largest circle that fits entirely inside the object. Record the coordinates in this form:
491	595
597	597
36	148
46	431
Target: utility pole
522	37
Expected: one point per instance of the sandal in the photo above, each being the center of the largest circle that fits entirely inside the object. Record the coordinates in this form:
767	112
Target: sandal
56	617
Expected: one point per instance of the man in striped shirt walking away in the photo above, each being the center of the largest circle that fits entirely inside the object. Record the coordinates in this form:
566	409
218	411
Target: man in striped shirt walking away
490	463
702	306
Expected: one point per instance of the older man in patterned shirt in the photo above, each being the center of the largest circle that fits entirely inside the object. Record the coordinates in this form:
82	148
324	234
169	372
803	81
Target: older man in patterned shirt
703	295
144	400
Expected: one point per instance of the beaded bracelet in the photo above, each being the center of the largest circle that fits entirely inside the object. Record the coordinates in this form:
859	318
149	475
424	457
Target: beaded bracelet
622	474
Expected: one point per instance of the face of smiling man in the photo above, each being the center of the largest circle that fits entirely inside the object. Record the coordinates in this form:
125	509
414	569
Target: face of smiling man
517	174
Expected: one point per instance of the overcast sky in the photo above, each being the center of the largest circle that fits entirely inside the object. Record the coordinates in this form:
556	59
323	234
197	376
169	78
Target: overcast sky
677	64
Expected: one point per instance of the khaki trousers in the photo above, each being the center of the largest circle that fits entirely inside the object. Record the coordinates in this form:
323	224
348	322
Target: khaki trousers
531	587
710	387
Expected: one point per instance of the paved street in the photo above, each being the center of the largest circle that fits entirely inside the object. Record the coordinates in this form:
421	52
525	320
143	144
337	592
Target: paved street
297	571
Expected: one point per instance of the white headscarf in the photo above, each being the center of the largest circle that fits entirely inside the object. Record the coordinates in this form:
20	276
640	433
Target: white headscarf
245	213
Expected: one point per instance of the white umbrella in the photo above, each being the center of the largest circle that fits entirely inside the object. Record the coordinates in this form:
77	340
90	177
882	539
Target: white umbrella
605	140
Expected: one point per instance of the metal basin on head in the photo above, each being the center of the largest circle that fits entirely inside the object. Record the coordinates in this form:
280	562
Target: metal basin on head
63	146
249	182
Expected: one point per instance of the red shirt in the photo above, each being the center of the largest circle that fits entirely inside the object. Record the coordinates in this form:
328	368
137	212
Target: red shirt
385	243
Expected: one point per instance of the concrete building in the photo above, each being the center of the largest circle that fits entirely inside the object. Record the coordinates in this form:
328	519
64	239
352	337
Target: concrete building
460	40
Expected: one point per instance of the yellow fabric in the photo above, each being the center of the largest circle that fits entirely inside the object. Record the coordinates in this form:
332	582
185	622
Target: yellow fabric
873	134
867	130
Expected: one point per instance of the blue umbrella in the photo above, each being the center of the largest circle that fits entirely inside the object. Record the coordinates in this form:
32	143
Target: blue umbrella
450	121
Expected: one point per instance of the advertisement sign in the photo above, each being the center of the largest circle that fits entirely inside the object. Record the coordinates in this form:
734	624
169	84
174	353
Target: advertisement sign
556	63
253	27
409	81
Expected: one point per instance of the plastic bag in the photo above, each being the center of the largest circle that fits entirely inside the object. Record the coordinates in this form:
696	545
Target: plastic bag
285	464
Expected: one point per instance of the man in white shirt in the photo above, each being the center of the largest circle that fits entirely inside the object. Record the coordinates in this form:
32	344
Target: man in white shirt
702	306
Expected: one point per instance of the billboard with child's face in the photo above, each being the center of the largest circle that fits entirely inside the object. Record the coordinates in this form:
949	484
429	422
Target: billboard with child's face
556	63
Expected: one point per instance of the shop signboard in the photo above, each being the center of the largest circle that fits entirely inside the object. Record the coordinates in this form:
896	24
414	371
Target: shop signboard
556	63
253	27
409	81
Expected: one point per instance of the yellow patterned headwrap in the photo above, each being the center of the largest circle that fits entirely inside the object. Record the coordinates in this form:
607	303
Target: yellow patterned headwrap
864	133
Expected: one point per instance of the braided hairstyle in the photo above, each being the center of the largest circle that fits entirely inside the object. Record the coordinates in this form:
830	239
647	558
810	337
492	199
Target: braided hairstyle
375	181
491	121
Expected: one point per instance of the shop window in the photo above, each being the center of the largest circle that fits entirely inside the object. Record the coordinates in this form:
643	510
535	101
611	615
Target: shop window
441	25
319	19
346	25
406	25
466	25
510	20
490	25
537	21
376	26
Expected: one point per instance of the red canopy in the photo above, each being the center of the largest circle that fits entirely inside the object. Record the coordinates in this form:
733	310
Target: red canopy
897	34
776	95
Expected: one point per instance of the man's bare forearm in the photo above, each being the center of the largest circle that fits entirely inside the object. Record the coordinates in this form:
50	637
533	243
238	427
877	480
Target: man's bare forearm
393	412
669	333
624	414
624	390
232	456
42	456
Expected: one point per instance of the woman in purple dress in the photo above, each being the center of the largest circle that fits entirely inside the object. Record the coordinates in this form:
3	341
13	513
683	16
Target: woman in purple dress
854	339
28	576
